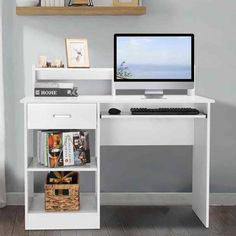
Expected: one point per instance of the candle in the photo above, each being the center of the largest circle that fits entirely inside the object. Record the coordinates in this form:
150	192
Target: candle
42	61
57	63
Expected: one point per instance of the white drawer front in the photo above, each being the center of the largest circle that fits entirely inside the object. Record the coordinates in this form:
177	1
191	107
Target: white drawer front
61	116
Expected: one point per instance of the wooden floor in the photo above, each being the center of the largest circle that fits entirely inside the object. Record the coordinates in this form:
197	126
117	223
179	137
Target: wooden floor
134	221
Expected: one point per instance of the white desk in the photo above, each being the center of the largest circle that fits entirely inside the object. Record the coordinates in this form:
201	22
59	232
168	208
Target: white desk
90	112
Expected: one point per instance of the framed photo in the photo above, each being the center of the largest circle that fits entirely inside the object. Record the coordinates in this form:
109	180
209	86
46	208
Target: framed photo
77	53
127	3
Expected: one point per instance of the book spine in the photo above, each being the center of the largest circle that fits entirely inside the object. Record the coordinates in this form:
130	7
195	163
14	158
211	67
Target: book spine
47	3
55	92
38	145
46	149
62	3
41	149
43	3
55	153
68	151
52	3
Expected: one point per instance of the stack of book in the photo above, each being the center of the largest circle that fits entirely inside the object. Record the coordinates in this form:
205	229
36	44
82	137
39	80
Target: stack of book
55	90
63	148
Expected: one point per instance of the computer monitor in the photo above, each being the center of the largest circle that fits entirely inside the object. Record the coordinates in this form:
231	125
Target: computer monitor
154	62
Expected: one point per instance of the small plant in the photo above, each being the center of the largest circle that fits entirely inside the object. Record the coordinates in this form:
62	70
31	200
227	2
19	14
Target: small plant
123	71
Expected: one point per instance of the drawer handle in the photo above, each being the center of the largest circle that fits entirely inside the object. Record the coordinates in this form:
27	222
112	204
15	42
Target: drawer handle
67	116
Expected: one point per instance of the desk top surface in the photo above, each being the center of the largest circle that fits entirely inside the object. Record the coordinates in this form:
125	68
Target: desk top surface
118	99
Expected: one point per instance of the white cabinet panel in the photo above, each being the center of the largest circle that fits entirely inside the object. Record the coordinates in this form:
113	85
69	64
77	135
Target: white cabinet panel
61	116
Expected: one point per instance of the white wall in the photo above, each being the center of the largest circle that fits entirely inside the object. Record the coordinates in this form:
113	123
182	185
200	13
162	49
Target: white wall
213	22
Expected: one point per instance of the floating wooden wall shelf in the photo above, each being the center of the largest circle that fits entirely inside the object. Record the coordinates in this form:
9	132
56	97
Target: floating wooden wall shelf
53	11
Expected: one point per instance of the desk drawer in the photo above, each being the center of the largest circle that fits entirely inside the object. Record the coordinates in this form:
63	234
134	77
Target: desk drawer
61	116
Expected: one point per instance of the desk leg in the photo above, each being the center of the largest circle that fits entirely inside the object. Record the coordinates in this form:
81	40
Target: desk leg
201	167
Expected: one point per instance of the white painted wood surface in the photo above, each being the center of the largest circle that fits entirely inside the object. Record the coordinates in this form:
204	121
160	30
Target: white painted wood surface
201	167
122	130
73	73
129	116
61	116
147	131
86	218
168	99
34	166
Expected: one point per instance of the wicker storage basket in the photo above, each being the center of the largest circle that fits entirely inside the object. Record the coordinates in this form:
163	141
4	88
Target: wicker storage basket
62	197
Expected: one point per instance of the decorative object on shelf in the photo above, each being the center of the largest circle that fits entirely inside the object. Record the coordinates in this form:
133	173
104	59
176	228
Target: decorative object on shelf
62	191
57	63
77	53
43	63
52	3
125	3
80	3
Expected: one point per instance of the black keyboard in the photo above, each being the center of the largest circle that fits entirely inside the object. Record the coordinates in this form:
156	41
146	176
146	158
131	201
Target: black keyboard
164	111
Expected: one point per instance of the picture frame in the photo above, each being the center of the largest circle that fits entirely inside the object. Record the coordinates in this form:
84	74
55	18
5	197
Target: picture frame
77	53
125	3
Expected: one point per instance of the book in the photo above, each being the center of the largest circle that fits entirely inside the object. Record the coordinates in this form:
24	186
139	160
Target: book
47	3
55	149
55	92
38	145
58	148
41	148
52	3
59	3
62	3
43	3
46	149
54	85
68	149
81	148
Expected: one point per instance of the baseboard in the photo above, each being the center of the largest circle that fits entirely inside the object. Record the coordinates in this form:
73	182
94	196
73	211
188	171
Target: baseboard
144	199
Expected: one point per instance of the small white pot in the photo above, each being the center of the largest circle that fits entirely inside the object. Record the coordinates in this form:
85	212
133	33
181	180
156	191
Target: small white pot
27	3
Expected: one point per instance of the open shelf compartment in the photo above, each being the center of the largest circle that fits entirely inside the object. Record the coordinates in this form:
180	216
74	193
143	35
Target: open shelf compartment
87	218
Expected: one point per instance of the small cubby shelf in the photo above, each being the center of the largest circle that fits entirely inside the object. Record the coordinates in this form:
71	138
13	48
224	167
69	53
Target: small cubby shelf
67	11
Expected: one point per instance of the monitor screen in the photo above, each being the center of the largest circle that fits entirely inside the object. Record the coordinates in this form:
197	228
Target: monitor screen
160	57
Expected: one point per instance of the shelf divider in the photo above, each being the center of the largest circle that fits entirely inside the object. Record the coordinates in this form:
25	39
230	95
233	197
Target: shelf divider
34	166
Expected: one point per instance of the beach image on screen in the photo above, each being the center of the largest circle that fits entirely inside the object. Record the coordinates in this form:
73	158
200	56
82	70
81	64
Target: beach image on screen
154	58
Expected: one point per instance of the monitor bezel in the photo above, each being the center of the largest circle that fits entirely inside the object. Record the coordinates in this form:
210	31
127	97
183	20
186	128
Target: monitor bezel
155	35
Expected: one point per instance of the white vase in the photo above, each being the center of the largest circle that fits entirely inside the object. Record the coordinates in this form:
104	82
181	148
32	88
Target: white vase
27	3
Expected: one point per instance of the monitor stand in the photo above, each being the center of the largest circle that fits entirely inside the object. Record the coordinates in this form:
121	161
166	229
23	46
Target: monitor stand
154	94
